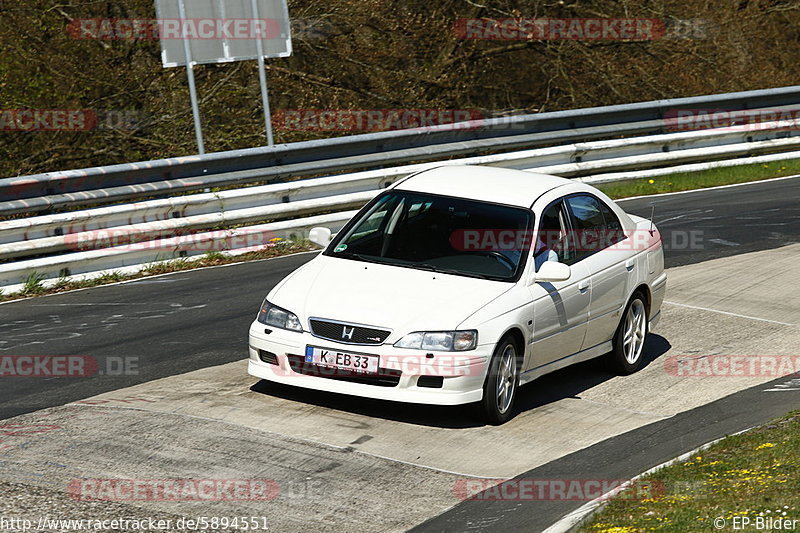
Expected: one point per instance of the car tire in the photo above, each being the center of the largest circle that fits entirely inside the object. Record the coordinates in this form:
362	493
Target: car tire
628	354
502	382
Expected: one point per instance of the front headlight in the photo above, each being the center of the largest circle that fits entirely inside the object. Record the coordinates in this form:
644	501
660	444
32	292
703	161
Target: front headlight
440	341
272	315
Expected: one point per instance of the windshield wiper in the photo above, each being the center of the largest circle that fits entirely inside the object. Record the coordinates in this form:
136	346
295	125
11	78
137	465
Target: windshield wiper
353	255
440	270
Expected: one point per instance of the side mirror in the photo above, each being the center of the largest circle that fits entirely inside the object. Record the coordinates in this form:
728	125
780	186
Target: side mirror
553	271
320	236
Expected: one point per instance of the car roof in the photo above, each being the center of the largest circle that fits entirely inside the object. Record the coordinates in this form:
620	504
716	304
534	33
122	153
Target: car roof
496	185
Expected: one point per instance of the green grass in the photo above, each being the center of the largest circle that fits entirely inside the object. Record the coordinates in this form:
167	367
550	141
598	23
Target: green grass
111	277
748	475
33	284
687	181
164	267
60	283
214	256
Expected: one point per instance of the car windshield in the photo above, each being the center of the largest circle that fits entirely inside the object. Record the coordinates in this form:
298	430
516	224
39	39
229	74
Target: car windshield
440	234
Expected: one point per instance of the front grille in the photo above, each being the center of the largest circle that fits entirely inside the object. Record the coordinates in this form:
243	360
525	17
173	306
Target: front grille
347	333
384	378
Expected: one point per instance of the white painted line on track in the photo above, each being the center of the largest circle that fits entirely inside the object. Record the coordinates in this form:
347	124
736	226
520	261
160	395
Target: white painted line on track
690	213
792	384
724	242
730	314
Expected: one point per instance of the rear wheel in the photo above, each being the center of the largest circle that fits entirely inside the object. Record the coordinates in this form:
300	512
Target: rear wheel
502	381
627	356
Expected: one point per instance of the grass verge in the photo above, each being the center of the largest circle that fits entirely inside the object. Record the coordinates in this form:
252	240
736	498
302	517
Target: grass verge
738	483
34	286
687	181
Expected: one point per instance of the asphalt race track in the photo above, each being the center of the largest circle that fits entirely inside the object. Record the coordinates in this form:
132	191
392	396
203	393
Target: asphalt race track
726	221
731	253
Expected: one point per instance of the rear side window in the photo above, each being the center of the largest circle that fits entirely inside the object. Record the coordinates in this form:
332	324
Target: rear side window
595	225
587	213
611	220
614	232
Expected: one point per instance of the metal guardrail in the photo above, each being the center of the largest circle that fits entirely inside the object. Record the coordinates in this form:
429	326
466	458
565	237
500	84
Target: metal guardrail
125	237
166	176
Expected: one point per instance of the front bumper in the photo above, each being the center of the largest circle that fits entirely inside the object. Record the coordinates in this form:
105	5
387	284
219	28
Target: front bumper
460	374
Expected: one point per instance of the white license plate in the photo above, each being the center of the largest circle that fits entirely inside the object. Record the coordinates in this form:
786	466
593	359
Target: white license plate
367	364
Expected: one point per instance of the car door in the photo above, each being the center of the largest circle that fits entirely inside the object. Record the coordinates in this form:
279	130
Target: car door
560	309
597	230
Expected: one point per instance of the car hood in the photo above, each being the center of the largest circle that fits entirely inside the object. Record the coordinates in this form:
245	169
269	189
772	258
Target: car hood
390	297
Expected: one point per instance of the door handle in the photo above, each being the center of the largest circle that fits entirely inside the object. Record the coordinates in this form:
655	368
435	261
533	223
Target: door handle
583	286
629	264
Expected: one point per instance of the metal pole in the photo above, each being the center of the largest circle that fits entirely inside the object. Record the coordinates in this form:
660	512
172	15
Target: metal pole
262	74
187	50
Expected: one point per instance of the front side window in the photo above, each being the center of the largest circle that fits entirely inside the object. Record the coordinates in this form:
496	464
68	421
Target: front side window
554	242
440	234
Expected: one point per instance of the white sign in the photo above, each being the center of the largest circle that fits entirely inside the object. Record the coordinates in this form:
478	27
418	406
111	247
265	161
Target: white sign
221	31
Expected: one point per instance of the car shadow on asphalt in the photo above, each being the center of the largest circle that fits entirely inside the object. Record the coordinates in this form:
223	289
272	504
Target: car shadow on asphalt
566	383
570	382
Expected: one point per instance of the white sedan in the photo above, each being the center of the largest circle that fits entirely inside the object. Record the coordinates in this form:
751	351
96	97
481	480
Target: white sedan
459	284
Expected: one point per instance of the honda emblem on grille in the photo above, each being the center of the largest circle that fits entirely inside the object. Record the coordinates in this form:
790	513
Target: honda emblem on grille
348	334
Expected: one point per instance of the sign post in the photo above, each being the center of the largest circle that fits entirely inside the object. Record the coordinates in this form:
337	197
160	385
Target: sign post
198	127
262	74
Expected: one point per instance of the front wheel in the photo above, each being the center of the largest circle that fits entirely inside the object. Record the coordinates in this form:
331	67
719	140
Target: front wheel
626	358
502	381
